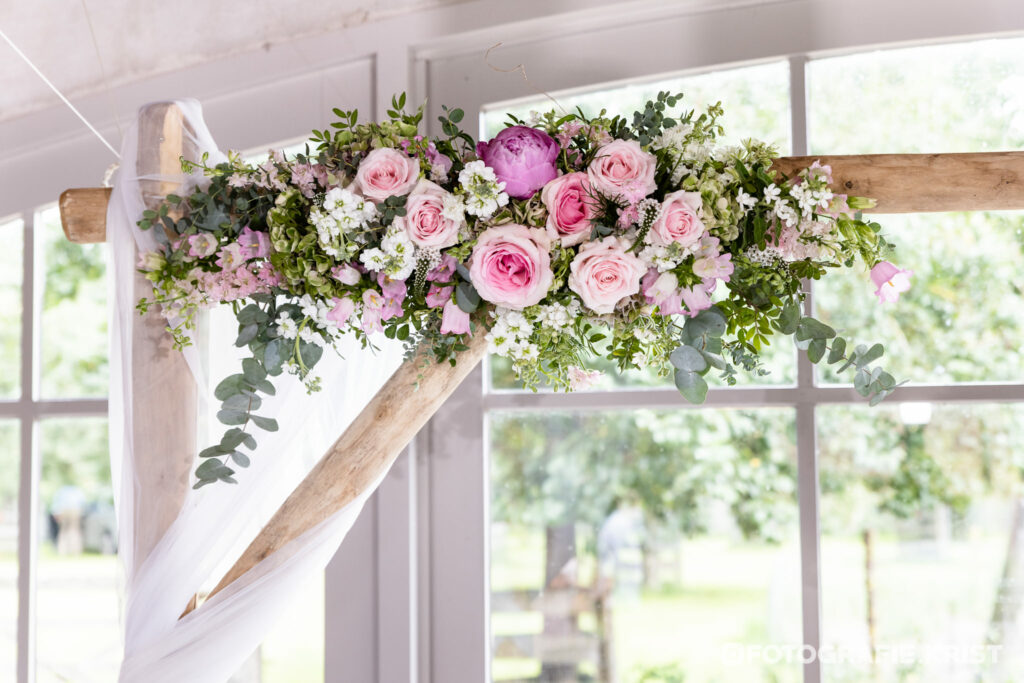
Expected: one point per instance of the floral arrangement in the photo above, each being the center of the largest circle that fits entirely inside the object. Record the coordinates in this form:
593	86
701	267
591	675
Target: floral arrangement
562	239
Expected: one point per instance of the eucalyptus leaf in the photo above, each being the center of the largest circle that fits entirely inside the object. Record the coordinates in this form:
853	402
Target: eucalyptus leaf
466	297
816	350
247	334
688	358
231	417
264	423
838	351
692	386
241	459
229	386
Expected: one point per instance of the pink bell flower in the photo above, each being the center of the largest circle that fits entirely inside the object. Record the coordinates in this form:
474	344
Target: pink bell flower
890	281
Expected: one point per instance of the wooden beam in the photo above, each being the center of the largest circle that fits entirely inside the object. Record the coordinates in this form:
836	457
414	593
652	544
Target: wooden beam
164	394
917	183
902	183
364	452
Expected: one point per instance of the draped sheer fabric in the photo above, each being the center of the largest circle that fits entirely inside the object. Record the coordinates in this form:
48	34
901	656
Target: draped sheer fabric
217	522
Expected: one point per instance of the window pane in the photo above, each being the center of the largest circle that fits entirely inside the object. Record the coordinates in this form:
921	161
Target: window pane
963	318
10	307
78	601
921	516
622	544
10	458
961	97
74	313
293	652
756	101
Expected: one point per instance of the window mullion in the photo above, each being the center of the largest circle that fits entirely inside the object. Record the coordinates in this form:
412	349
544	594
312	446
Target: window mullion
28	489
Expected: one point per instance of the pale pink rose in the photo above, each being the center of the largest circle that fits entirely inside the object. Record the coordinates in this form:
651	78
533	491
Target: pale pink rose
570	208
454	320
623	170
604	273
679	220
343	308
511	266
424	221
386	172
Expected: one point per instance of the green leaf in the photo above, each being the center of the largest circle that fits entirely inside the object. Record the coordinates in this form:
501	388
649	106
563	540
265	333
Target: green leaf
241	459
692	386
816	350
233	438
229	386
310	353
710	322
688	358
211	452
265	386
789	318
862	382
466	297
231	417
247	334
273	357
838	351
265	423
253	371
809	328
872	354
242	402
251	314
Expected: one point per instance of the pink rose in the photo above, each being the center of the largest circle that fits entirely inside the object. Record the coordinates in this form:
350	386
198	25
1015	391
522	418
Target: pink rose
454	320
424	221
386	172
604	273
622	170
510	266
570	208
343	308
679	220
522	157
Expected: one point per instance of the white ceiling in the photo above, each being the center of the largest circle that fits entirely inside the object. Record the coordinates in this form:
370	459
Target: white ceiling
140	38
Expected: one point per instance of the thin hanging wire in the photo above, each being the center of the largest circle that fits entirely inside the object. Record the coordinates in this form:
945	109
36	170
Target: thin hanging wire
59	94
103	70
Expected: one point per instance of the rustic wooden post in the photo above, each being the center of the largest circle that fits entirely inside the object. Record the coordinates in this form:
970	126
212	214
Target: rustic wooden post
163	390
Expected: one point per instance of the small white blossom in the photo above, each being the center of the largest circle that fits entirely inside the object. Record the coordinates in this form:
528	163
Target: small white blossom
286	326
484	195
772	193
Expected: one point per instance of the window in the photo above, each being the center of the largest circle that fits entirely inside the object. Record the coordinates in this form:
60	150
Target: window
633	539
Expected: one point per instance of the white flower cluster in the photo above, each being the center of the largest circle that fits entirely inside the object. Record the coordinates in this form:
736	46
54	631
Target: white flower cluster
665	257
510	335
675	137
810	199
342	212
290	329
484	194
559	317
396	256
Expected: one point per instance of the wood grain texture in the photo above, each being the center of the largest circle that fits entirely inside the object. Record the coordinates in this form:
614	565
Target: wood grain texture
83	213
164	394
902	183
364	452
917	183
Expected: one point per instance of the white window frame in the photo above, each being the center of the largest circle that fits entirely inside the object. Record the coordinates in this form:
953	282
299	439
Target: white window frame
456	529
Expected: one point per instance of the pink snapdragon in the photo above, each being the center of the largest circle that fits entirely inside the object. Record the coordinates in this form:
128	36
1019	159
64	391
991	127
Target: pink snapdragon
582	379
454	320
444	271
438	296
373	302
718	267
342	310
394	292
255	243
890	280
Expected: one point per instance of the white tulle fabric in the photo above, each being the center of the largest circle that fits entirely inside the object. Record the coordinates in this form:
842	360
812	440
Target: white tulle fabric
217	522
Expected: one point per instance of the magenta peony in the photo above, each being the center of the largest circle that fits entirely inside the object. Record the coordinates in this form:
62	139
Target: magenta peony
522	157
